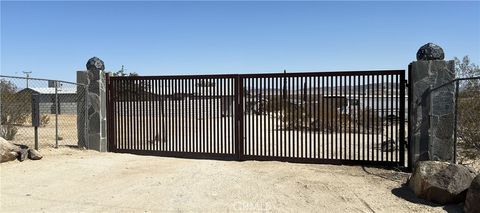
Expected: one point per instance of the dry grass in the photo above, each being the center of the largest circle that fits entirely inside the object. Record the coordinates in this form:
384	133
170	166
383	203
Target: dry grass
67	130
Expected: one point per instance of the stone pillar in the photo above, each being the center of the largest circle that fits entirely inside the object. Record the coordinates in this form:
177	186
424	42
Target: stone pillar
431	113
96	132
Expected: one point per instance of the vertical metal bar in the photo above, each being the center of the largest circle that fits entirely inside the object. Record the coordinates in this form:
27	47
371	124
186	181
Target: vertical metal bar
301	130
296	125
340	120
402	118
210	120
262	132
195	107
176	113
363	117
278	143
144	113
122	96
241	118
148	94
268	150
310	118
384	97
290	114
168	115
136	112
154	100
331	118
386	110
333	109
377	99
163	121
112	115
397	117
336	118
324	118
297	117
373	132
56	114
354	118
314	119
231	121
343	103
214	119
188	116
349	117
342	143
392	113
247	113
140	115
369	116
128	108
457	85
223	113
181	116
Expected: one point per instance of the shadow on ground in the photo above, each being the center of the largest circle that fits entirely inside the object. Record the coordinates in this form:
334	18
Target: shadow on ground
405	193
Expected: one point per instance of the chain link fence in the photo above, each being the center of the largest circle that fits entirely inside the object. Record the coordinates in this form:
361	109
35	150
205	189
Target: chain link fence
60	104
466	118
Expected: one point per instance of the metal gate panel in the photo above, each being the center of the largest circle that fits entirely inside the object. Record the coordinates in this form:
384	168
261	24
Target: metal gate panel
181	116
353	117
328	117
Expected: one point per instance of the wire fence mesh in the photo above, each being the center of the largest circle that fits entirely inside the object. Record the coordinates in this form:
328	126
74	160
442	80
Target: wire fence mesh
468	120
61	104
466	117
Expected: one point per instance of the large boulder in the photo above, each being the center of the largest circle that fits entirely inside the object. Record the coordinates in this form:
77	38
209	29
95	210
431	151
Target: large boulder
472	202
8	151
441	182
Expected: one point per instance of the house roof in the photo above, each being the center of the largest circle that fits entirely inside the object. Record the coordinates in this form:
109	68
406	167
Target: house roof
51	90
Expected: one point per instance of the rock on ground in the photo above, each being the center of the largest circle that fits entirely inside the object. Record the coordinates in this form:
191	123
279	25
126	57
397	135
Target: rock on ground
472	202
34	154
8	151
441	182
22	154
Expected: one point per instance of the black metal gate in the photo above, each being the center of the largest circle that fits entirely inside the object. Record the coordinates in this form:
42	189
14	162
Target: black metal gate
322	117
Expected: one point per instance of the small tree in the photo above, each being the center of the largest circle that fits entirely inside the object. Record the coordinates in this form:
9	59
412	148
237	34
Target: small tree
130	89
468	113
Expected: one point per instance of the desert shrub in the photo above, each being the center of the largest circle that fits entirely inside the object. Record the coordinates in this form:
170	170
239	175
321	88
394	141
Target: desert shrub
44	120
468	124
8	131
13	110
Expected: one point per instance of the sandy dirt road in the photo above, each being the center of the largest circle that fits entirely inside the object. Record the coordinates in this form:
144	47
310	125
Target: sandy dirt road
69	180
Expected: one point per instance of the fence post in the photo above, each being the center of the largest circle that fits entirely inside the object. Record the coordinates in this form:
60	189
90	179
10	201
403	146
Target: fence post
56	114
432	115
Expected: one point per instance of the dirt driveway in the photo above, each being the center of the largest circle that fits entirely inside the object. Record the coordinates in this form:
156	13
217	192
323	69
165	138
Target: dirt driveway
87	181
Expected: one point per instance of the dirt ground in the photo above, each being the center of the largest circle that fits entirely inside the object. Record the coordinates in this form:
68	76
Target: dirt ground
67	130
88	181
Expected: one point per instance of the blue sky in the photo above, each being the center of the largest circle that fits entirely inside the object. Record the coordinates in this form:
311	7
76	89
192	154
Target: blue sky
54	39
